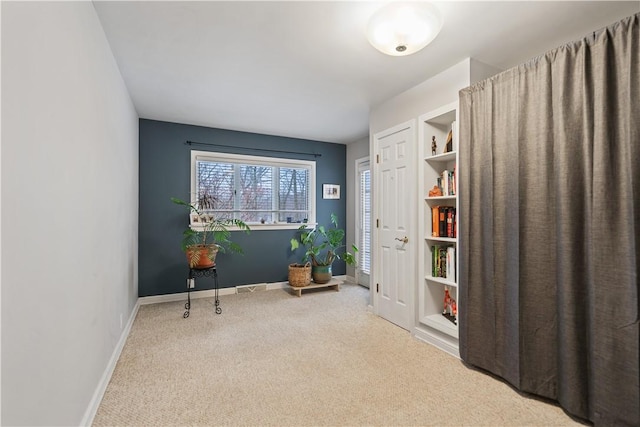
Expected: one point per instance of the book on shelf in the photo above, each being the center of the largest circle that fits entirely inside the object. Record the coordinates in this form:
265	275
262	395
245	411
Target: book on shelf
446	182
443	221
443	262
435	218
453	182
451	263
454	145
450	144
454	224
434	261
438	261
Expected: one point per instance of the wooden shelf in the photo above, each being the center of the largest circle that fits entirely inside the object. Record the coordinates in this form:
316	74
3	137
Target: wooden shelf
441	280
444	157
442	117
333	283
442	239
440	198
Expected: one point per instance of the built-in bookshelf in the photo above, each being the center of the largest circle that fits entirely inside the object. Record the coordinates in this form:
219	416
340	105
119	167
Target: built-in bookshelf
438	301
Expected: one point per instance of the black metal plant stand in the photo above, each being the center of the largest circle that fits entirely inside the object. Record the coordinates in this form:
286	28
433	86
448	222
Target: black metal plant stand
202	272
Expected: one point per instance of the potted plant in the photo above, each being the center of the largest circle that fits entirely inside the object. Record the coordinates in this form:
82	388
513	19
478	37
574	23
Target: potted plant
324	245
210	235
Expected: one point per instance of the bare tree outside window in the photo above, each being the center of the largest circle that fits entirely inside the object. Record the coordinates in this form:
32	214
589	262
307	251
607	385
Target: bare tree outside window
216	180
294	196
256	198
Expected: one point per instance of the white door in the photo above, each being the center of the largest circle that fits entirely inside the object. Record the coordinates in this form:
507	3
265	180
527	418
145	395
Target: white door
363	221
395	202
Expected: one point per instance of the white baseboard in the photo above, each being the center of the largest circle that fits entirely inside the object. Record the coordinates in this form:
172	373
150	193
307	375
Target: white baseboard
208	293
436	341
350	279
156	299
92	409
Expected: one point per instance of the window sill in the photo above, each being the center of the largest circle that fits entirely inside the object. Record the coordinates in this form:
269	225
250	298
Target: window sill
272	226
281	226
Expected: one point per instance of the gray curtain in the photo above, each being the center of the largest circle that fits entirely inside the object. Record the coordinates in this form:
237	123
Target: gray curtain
550	222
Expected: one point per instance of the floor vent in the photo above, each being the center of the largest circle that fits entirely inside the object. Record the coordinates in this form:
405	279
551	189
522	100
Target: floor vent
251	288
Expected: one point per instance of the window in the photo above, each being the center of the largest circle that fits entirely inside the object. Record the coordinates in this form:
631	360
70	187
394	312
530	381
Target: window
257	190
365	217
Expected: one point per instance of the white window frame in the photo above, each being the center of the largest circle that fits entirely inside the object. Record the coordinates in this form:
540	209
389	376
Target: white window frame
262	161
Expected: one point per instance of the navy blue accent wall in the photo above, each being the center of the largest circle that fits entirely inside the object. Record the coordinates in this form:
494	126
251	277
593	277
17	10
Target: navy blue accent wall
165	165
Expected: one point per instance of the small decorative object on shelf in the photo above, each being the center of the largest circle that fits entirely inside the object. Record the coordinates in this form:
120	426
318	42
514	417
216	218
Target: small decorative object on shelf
454	310
449	145
447	301
450	310
434	146
435	191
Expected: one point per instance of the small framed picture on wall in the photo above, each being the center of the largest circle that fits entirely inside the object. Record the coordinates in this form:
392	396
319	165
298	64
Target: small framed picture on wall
330	191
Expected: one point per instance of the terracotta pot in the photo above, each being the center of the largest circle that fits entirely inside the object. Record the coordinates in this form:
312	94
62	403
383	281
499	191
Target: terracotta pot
321	273
202	256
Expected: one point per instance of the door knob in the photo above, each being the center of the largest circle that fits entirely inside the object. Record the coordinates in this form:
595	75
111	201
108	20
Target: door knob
405	239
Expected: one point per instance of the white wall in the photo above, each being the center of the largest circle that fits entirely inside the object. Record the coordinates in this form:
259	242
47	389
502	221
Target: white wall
356	150
481	71
69	210
429	95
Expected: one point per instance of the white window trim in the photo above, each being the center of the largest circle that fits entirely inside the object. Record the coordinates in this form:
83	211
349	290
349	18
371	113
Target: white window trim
263	161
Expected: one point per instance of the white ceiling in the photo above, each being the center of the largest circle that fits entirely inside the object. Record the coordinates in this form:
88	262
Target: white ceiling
304	69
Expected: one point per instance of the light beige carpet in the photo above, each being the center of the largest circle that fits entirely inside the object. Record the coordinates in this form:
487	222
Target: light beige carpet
272	358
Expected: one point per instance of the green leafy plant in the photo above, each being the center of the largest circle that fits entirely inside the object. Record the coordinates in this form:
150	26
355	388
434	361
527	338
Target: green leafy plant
324	245
211	233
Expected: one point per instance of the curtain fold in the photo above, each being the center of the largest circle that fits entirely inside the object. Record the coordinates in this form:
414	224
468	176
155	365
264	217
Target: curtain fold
550	194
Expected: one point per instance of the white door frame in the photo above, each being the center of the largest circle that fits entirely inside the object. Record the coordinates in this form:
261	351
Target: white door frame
376	204
362	161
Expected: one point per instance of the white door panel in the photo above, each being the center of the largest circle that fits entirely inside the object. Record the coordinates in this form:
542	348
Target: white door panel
396	206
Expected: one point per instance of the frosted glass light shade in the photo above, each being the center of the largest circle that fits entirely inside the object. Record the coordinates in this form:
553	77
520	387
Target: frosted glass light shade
400	28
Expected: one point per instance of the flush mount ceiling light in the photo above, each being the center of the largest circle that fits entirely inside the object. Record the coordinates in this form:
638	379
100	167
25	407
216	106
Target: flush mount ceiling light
400	29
